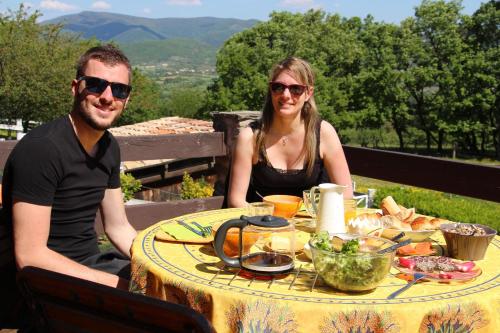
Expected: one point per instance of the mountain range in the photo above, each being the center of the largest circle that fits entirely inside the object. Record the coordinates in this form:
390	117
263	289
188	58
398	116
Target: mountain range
131	29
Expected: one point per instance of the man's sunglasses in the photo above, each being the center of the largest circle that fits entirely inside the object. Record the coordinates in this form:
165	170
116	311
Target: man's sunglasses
97	86
295	89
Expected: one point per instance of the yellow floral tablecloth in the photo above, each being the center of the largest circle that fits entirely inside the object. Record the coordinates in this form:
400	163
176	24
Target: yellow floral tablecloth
191	274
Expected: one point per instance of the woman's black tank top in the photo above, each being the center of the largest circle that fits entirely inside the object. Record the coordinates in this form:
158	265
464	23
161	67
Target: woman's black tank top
267	180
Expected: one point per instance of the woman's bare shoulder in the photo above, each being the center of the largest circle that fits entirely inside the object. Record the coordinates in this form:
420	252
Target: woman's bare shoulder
246	134
327	130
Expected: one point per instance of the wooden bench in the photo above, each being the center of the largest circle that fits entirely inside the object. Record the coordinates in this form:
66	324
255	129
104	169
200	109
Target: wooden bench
10	301
61	303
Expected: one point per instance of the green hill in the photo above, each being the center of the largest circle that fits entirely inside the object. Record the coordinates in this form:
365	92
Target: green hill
176	52
126	29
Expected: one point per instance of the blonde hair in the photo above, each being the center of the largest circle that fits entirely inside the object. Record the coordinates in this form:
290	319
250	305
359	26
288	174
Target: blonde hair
302	72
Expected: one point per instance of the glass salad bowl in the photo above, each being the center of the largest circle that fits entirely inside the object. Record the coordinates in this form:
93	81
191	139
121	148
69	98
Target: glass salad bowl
351	262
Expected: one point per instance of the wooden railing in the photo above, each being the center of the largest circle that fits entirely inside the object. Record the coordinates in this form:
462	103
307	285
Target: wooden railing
473	180
179	146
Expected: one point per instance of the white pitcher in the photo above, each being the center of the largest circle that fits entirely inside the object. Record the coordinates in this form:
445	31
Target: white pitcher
330	213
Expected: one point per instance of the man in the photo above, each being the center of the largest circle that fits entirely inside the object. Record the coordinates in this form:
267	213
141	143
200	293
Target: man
61	172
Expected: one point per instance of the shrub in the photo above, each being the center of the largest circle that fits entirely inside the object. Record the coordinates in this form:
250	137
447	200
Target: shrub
129	185
192	189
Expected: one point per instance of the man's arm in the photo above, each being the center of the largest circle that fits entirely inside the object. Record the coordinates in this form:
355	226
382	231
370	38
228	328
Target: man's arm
31	225
114	219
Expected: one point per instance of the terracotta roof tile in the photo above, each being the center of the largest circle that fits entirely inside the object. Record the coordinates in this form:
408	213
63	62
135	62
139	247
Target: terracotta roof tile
167	125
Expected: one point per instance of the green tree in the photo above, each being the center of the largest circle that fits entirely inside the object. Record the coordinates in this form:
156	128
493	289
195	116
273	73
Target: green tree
439	24
433	77
245	60
483	72
146	102
185	102
336	56
37	64
381	79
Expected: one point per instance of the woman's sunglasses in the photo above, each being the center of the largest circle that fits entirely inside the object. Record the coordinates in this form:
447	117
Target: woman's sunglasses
97	86
295	89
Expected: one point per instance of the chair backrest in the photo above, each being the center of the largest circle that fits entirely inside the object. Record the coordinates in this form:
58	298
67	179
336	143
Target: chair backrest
6	246
63	303
11	301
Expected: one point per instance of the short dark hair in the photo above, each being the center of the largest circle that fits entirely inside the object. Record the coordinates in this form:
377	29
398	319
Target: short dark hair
108	54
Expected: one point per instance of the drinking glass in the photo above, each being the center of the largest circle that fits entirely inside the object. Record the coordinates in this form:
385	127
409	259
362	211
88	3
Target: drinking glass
260	208
306	194
349	210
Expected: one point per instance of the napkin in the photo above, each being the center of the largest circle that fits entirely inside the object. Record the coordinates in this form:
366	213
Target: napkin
178	231
174	232
302	212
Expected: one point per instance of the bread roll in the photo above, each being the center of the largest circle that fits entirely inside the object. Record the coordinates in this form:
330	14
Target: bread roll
390	207
436	222
374	216
404	226
408	214
392	222
422	223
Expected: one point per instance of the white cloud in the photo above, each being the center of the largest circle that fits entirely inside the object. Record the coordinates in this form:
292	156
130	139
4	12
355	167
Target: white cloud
184	2
298	3
304	4
57	5
28	5
147	10
101	5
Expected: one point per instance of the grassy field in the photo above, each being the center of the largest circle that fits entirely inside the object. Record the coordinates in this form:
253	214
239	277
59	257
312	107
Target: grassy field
449	206
8	135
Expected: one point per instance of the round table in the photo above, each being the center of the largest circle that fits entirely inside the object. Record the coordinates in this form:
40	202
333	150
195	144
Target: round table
192	275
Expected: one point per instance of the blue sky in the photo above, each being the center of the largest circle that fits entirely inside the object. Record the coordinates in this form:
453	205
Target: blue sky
383	10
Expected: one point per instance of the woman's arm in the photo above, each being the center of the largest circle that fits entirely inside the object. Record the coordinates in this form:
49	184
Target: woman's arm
334	158
241	168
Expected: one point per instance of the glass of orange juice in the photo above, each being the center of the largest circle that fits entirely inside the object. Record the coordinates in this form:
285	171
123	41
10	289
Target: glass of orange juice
349	210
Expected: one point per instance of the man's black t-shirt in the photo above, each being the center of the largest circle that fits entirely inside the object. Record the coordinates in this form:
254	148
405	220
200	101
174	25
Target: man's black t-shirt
50	167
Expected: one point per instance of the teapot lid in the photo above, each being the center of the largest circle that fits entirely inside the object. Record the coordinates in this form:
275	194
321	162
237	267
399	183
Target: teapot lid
266	221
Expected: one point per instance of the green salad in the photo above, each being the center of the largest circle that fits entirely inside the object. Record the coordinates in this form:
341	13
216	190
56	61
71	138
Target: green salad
347	266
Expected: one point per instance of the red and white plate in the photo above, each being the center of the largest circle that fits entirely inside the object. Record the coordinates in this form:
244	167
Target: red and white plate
462	270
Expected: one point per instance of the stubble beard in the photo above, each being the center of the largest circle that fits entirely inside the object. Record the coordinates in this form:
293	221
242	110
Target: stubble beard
84	114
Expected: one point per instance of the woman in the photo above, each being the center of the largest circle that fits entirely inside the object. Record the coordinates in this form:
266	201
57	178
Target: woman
290	148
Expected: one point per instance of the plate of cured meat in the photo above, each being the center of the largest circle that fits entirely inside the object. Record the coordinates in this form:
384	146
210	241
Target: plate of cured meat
443	269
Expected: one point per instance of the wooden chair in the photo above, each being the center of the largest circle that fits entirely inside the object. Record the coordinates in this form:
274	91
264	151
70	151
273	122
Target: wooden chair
11	301
61	303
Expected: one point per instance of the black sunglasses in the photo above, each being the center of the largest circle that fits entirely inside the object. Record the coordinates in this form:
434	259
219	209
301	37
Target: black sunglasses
97	86
295	89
